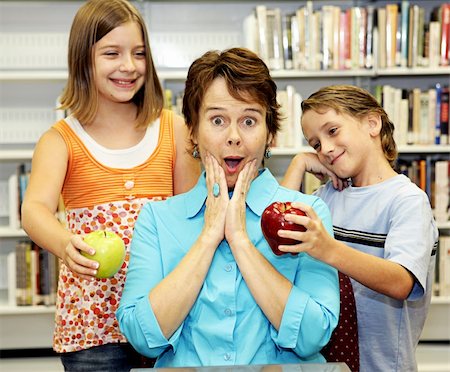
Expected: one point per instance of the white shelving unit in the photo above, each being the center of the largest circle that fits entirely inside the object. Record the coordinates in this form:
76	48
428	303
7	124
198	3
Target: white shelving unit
39	87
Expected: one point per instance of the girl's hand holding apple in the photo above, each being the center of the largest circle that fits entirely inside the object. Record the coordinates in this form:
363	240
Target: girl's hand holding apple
84	267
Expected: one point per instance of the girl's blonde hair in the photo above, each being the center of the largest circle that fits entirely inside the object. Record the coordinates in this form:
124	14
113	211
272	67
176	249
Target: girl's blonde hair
92	22
358	103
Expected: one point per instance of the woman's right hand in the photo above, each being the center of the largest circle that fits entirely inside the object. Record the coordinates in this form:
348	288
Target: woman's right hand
81	266
216	206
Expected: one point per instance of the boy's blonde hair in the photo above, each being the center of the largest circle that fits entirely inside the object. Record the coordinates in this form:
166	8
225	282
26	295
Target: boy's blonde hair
92	22
358	103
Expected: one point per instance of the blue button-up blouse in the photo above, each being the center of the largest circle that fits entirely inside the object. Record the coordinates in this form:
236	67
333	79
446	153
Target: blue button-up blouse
225	325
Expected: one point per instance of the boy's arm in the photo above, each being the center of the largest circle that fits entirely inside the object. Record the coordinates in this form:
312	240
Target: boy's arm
294	174
309	162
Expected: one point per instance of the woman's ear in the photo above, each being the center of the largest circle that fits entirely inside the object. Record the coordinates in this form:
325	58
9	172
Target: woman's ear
375	124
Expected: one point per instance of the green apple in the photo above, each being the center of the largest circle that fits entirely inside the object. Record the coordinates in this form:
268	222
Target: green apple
109	252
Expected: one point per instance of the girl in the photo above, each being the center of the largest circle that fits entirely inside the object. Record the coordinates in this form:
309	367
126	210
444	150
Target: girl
385	235
117	150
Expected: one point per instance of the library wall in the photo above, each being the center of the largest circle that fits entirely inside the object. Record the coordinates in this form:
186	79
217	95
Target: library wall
33	41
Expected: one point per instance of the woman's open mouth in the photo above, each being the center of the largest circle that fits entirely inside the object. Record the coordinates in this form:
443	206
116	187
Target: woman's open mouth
232	164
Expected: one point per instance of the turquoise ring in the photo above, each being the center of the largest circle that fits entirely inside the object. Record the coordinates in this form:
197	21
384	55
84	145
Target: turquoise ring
216	190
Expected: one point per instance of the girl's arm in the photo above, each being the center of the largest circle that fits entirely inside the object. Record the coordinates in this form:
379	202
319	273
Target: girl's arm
49	166
187	169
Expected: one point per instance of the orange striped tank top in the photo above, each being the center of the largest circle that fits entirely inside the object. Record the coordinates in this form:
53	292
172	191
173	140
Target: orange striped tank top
98	197
89	182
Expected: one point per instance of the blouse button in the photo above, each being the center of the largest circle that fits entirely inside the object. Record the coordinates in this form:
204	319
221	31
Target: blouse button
129	185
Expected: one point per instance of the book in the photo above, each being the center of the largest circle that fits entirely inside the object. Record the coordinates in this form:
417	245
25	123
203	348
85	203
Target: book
327	37
431	115
424	115
445	34
434	42
369	36
391	34
23	273
437	131
251	33
444	115
287	41
404	21
12	282
13	201
274	39
381	17
441	190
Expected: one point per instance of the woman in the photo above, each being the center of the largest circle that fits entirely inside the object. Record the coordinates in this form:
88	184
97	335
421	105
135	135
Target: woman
203	287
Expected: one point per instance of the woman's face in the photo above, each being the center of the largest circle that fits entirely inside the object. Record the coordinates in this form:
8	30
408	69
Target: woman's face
233	131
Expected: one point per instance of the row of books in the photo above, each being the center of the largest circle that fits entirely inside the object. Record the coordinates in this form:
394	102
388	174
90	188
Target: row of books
432	176
17	184
420	117
290	134
32	275
395	35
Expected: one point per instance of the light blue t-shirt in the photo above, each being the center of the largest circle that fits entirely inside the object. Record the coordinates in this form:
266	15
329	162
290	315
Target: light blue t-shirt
225	325
392	220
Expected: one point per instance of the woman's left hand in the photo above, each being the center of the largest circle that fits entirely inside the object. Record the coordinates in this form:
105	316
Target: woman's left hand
235	223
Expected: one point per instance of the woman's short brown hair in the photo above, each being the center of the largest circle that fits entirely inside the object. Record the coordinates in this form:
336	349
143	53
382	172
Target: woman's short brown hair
245	75
92	22
358	103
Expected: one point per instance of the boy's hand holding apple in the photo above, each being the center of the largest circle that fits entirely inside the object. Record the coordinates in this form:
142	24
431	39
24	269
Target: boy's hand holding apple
273	219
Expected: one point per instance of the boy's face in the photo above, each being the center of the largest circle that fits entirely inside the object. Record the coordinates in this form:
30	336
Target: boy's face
343	144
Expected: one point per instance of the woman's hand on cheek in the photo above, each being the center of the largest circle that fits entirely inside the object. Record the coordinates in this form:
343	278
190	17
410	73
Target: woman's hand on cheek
235	225
216	206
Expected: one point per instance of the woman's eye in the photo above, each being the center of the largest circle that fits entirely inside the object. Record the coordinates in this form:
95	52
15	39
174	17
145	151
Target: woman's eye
140	53
217	121
249	122
333	130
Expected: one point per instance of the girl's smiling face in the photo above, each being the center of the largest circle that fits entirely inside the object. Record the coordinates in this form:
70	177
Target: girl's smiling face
233	131
120	65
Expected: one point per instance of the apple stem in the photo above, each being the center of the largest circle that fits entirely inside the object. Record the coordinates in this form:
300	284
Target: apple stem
104	232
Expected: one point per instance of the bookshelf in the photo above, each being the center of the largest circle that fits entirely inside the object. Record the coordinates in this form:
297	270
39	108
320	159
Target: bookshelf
179	31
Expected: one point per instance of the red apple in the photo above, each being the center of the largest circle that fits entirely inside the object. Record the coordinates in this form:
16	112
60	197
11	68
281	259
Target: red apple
273	220
109	252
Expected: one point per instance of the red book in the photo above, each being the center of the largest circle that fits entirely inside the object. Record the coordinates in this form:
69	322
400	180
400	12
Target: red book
445	98
445	34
